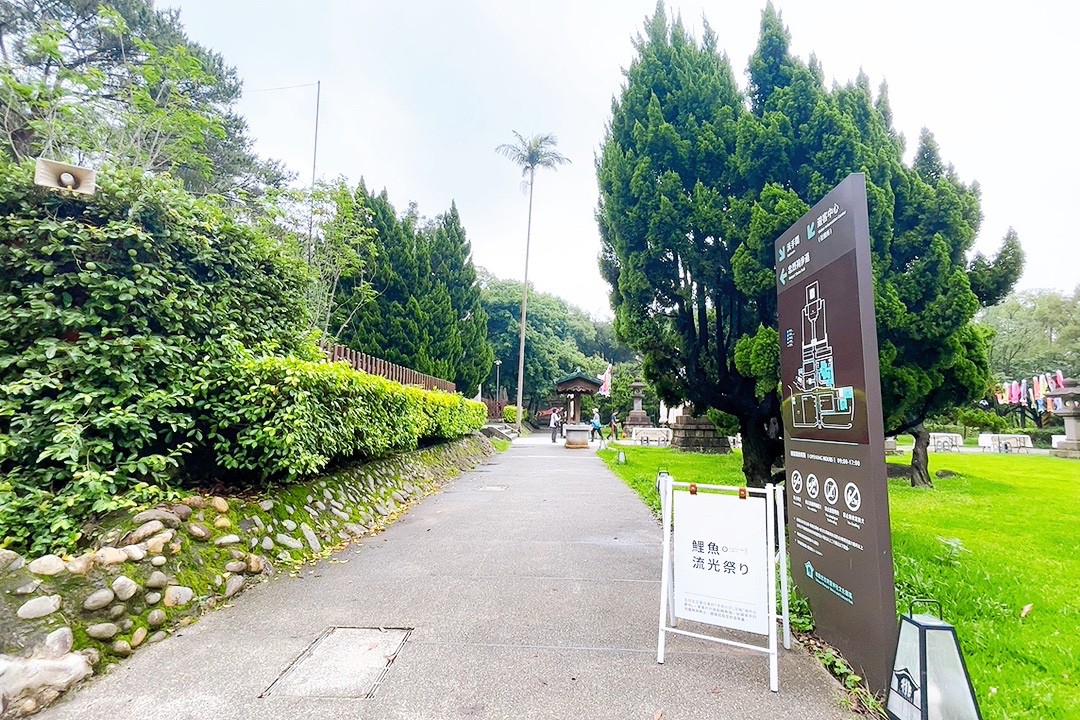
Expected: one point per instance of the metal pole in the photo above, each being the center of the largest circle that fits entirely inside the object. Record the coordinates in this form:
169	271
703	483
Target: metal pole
666	569
498	393
770	540
314	157
524	305
781	525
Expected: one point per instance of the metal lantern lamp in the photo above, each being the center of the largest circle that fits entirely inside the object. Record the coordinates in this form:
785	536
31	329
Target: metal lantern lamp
929	678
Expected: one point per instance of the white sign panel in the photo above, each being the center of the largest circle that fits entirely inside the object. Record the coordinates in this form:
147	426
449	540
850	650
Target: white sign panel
720	561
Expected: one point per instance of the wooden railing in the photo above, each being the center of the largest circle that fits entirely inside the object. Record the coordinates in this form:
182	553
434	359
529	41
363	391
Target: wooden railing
383	368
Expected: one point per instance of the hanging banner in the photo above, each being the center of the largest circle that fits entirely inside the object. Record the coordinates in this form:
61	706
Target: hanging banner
720	561
840	540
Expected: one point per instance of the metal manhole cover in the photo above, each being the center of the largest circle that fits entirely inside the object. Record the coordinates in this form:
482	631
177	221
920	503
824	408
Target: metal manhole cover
344	662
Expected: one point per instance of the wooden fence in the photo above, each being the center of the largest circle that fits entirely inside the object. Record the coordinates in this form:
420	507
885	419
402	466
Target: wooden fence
383	368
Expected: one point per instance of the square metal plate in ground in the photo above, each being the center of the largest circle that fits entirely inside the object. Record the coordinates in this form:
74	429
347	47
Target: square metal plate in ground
345	662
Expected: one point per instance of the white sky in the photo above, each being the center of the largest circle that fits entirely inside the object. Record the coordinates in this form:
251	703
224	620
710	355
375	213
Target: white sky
416	94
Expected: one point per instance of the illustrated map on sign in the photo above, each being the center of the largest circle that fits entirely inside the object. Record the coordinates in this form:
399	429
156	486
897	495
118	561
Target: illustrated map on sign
817	401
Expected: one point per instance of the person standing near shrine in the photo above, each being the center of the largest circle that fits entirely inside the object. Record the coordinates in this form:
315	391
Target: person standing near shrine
555	422
595	430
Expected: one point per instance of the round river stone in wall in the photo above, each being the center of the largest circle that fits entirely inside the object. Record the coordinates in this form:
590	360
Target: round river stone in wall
157	579
81	565
158	560
39	607
46	565
156	617
199	532
144	531
98	599
178	595
233	585
152	598
124	587
164	516
102	631
137	637
111	556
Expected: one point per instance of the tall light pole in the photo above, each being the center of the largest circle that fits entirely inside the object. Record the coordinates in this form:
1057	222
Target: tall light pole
498	393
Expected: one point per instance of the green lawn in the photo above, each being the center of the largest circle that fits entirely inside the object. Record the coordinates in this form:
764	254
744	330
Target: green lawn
1002	534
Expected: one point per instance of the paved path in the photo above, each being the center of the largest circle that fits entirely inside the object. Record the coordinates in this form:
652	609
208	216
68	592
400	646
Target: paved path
532	587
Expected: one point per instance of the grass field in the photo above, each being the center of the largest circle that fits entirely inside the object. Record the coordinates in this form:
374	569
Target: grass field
1000	535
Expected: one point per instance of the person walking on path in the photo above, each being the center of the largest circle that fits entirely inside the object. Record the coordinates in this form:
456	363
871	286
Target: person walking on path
614	425
555	422
595	429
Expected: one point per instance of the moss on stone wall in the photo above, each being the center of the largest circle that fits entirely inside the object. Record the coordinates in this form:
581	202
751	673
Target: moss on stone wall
158	570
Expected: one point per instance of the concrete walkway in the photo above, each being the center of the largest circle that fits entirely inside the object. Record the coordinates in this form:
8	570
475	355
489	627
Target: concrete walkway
531	585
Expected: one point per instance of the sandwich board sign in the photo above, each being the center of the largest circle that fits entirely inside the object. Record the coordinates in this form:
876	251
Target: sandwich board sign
719	564
834	445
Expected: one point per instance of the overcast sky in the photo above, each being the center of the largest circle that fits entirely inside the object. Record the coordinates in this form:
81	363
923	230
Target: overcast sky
417	94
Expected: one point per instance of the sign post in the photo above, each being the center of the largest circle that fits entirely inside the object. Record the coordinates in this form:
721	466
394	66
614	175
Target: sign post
720	563
834	445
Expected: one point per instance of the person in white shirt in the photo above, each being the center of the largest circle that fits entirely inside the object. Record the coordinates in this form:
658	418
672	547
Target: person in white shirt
555	422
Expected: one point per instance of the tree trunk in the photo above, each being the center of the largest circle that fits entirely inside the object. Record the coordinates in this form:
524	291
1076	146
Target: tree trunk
759	451
920	459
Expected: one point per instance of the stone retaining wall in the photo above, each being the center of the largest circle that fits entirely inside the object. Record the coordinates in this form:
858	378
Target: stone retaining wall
62	618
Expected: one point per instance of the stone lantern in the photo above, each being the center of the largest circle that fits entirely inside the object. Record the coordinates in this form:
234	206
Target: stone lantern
1069	395
637	416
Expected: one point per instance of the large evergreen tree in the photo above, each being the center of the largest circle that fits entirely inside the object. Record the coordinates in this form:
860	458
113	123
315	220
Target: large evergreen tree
694	189
425	311
393	325
451	265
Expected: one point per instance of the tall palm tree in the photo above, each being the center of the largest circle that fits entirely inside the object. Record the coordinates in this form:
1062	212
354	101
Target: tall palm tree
529	154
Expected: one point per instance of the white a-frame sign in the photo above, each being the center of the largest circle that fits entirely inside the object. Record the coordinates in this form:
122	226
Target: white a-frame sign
720	564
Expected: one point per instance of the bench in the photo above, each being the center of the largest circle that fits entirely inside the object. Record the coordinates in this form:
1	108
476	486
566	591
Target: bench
1004	443
647	436
946	442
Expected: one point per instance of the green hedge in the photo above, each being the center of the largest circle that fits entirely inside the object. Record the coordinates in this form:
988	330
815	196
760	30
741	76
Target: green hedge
289	418
111	309
510	413
137	327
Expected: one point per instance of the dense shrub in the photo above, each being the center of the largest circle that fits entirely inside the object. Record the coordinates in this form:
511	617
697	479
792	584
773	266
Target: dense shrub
280	417
145	333
111	310
981	420
1043	437
510	413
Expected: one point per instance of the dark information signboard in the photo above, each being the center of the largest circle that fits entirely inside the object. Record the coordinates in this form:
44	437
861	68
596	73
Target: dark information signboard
841	546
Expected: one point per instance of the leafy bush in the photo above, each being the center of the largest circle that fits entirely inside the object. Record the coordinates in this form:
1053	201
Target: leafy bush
981	419
279	417
944	428
111	310
1043	437
138	334
510	413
